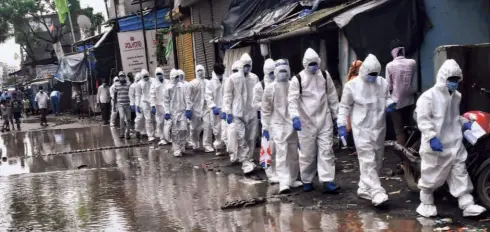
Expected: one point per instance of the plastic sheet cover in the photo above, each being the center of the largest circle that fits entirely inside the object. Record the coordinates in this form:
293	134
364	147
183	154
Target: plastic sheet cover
72	68
246	17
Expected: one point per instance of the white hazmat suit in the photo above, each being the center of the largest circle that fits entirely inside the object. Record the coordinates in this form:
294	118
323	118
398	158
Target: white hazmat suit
201	115
276	121
156	100
315	107
438	117
132	101
143	105
214	98
236	67
238	104
269	66
366	102
113	107
174	107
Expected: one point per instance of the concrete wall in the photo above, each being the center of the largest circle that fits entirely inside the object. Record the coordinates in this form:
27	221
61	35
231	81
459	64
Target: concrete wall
454	22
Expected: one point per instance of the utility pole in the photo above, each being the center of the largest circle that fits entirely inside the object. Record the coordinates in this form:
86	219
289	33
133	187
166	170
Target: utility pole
71	23
144	35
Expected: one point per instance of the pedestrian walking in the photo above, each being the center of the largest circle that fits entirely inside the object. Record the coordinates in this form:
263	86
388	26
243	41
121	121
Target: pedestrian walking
313	108
366	100
121	92
16	109
214	102
114	107
42	101
143	105
174	108
400	76
55	98
157	91
197	112
442	151
103	100
277	127
353	73
242	116
27	106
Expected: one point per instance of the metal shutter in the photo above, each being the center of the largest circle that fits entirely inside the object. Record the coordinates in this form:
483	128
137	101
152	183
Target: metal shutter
204	51
185	53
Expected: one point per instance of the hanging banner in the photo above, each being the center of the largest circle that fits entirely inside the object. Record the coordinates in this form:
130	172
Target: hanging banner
132	48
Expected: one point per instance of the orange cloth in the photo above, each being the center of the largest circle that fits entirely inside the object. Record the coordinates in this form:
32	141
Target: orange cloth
353	72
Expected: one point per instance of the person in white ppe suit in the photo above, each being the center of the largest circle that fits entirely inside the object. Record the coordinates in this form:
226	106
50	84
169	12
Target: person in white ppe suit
197	112
366	100
113	102
143	105
269	66
442	151
132	99
235	68
276	125
174	107
241	115
156	100
313	107
214	102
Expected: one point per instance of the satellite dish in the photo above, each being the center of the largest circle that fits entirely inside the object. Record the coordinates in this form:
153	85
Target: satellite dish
84	24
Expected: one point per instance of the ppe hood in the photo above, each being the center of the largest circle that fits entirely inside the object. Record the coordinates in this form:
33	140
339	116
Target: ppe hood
144	73
282	65
137	77
116	79
310	57
173	74
200	68
158	71
369	65
449	69
269	67
246	59
237	65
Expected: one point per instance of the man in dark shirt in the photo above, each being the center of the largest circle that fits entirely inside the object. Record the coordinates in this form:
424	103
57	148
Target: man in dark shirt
16	109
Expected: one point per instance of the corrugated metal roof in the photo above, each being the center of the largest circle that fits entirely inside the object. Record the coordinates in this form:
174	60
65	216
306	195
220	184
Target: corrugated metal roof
307	21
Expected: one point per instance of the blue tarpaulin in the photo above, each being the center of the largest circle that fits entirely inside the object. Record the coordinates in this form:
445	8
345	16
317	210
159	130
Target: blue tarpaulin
133	23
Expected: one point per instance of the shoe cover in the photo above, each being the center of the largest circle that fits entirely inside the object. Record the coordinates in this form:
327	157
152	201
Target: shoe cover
427	210
364	194
248	167
151	139
178	154
208	149
162	143
379	199
296	184
473	210
271	176
283	189
233	158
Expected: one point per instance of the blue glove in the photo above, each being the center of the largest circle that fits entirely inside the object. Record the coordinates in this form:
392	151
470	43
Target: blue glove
215	110
188	114
230	118
132	108
266	134
391	108
167	116
153	110
297	124
258	115
343	131
223	115
435	144
138	109
467	126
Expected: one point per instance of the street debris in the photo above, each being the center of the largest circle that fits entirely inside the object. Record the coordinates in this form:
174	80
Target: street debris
444	221
446	228
243	203
347	170
395	192
470	229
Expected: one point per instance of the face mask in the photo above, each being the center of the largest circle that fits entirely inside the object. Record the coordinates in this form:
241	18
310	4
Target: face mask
371	78
246	69
181	78
235	71
282	76
271	76
313	69
200	74
146	78
452	86
160	77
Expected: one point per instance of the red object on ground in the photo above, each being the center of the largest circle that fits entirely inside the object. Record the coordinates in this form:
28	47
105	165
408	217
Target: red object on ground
482	118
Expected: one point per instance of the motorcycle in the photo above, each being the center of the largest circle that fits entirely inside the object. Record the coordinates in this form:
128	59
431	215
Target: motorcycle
477	162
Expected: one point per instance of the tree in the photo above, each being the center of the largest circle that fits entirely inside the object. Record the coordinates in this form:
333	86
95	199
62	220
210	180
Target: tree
29	22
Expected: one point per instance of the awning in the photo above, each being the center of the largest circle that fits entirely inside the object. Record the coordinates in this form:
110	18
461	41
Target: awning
245	18
133	23
370	27
300	26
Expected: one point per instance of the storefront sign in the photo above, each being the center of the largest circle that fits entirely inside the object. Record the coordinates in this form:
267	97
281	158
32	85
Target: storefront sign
132	47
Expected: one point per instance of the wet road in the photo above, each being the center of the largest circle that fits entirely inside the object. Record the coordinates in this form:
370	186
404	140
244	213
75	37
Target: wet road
142	189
